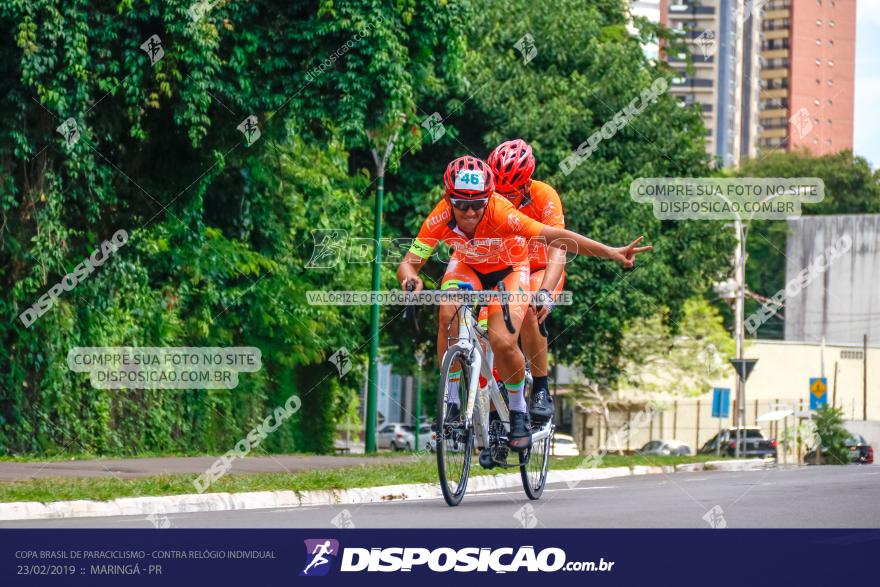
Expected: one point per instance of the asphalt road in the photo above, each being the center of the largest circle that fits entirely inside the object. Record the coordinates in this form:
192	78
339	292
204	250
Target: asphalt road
806	497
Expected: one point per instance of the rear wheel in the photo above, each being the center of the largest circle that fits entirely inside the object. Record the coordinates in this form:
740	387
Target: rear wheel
455	442
535	462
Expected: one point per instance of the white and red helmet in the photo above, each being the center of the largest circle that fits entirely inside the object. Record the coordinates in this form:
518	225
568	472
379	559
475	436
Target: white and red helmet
512	163
468	177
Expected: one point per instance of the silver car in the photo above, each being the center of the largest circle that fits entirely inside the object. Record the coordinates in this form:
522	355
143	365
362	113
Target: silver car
666	448
396	436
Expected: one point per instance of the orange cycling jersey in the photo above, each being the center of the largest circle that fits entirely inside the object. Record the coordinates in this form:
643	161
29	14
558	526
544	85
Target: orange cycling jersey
542	204
499	240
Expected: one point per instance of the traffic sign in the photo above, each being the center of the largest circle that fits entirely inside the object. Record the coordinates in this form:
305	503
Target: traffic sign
818	392
743	367
720	402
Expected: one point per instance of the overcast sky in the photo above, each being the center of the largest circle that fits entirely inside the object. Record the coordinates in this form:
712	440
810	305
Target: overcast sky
867	115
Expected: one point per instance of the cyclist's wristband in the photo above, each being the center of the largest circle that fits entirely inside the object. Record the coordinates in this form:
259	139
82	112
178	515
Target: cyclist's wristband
544	299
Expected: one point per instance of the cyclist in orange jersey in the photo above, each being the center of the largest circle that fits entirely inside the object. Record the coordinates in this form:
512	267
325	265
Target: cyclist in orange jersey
488	235
513	164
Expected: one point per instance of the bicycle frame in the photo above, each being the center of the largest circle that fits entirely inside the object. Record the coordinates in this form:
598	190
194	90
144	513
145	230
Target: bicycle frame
480	362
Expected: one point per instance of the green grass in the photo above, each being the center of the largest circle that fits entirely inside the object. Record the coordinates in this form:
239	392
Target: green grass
422	469
84	456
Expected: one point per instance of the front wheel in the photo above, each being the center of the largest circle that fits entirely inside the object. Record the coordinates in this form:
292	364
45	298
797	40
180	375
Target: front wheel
455	440
534	463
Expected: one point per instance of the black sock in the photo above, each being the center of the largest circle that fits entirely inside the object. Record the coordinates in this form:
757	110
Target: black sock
539	383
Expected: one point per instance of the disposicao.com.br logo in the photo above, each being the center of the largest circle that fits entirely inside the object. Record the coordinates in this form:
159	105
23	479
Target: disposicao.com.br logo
317	552
441	560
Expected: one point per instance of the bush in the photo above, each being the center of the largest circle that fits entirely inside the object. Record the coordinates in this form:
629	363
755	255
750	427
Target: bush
831	436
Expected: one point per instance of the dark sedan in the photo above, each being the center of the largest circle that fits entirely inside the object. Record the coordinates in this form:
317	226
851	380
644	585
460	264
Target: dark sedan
754	444
859	452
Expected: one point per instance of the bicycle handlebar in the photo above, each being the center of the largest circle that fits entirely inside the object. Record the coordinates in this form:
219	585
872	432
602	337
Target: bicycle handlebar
505	309
410	310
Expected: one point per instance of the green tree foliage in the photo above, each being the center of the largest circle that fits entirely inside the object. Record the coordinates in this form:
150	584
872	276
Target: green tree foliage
220	230
831	436
851	187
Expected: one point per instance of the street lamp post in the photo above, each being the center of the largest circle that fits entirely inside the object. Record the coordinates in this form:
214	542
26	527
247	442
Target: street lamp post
372	377
420	361
380	159
739	258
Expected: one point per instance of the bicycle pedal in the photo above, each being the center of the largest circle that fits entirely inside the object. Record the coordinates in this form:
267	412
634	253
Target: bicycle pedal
499	455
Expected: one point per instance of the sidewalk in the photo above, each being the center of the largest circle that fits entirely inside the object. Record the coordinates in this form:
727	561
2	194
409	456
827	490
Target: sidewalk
146	467
205	502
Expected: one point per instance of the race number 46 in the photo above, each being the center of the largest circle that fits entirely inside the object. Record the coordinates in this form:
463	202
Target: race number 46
470	180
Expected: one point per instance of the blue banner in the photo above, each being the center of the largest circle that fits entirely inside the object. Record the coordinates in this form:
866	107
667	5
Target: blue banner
720	402
398	557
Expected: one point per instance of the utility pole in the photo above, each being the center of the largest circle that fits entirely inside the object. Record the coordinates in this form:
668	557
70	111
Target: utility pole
373	372
865	377
739	261
834	388
739	292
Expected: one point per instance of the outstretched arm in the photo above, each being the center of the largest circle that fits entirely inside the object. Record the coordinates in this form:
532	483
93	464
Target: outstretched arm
553	271
578	244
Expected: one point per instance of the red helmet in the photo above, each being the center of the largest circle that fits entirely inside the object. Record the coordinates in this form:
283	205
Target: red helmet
512	163
468	177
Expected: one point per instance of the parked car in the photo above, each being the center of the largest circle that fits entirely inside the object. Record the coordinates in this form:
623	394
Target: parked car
563	445
427	438
396	436
666	448
859	451
755	445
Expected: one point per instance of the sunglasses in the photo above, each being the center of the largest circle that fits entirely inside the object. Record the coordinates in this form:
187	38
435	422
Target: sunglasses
465	205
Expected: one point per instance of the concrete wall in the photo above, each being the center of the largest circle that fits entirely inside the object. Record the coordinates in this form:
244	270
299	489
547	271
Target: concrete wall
843	303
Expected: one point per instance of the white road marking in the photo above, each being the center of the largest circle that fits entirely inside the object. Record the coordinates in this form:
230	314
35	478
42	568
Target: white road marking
546	490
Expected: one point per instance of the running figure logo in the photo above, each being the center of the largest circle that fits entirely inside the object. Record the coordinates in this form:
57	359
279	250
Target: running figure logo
317	551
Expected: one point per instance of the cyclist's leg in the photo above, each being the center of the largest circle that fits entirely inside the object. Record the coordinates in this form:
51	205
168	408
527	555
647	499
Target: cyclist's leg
535	348
533	344
508	358
447	324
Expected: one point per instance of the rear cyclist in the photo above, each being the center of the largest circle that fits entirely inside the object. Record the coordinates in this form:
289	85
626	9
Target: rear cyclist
512	164
488	237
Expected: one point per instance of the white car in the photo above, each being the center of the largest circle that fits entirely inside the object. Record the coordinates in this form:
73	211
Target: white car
427	438
563	445
396	436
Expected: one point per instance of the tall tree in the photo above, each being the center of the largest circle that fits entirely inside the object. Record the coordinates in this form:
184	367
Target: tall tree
554	78
218	135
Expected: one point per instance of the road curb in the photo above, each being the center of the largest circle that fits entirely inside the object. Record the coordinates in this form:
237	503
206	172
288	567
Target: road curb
208	502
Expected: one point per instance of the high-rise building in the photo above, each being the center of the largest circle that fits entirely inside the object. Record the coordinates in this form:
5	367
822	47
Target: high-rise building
768	74
721	37
808	98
